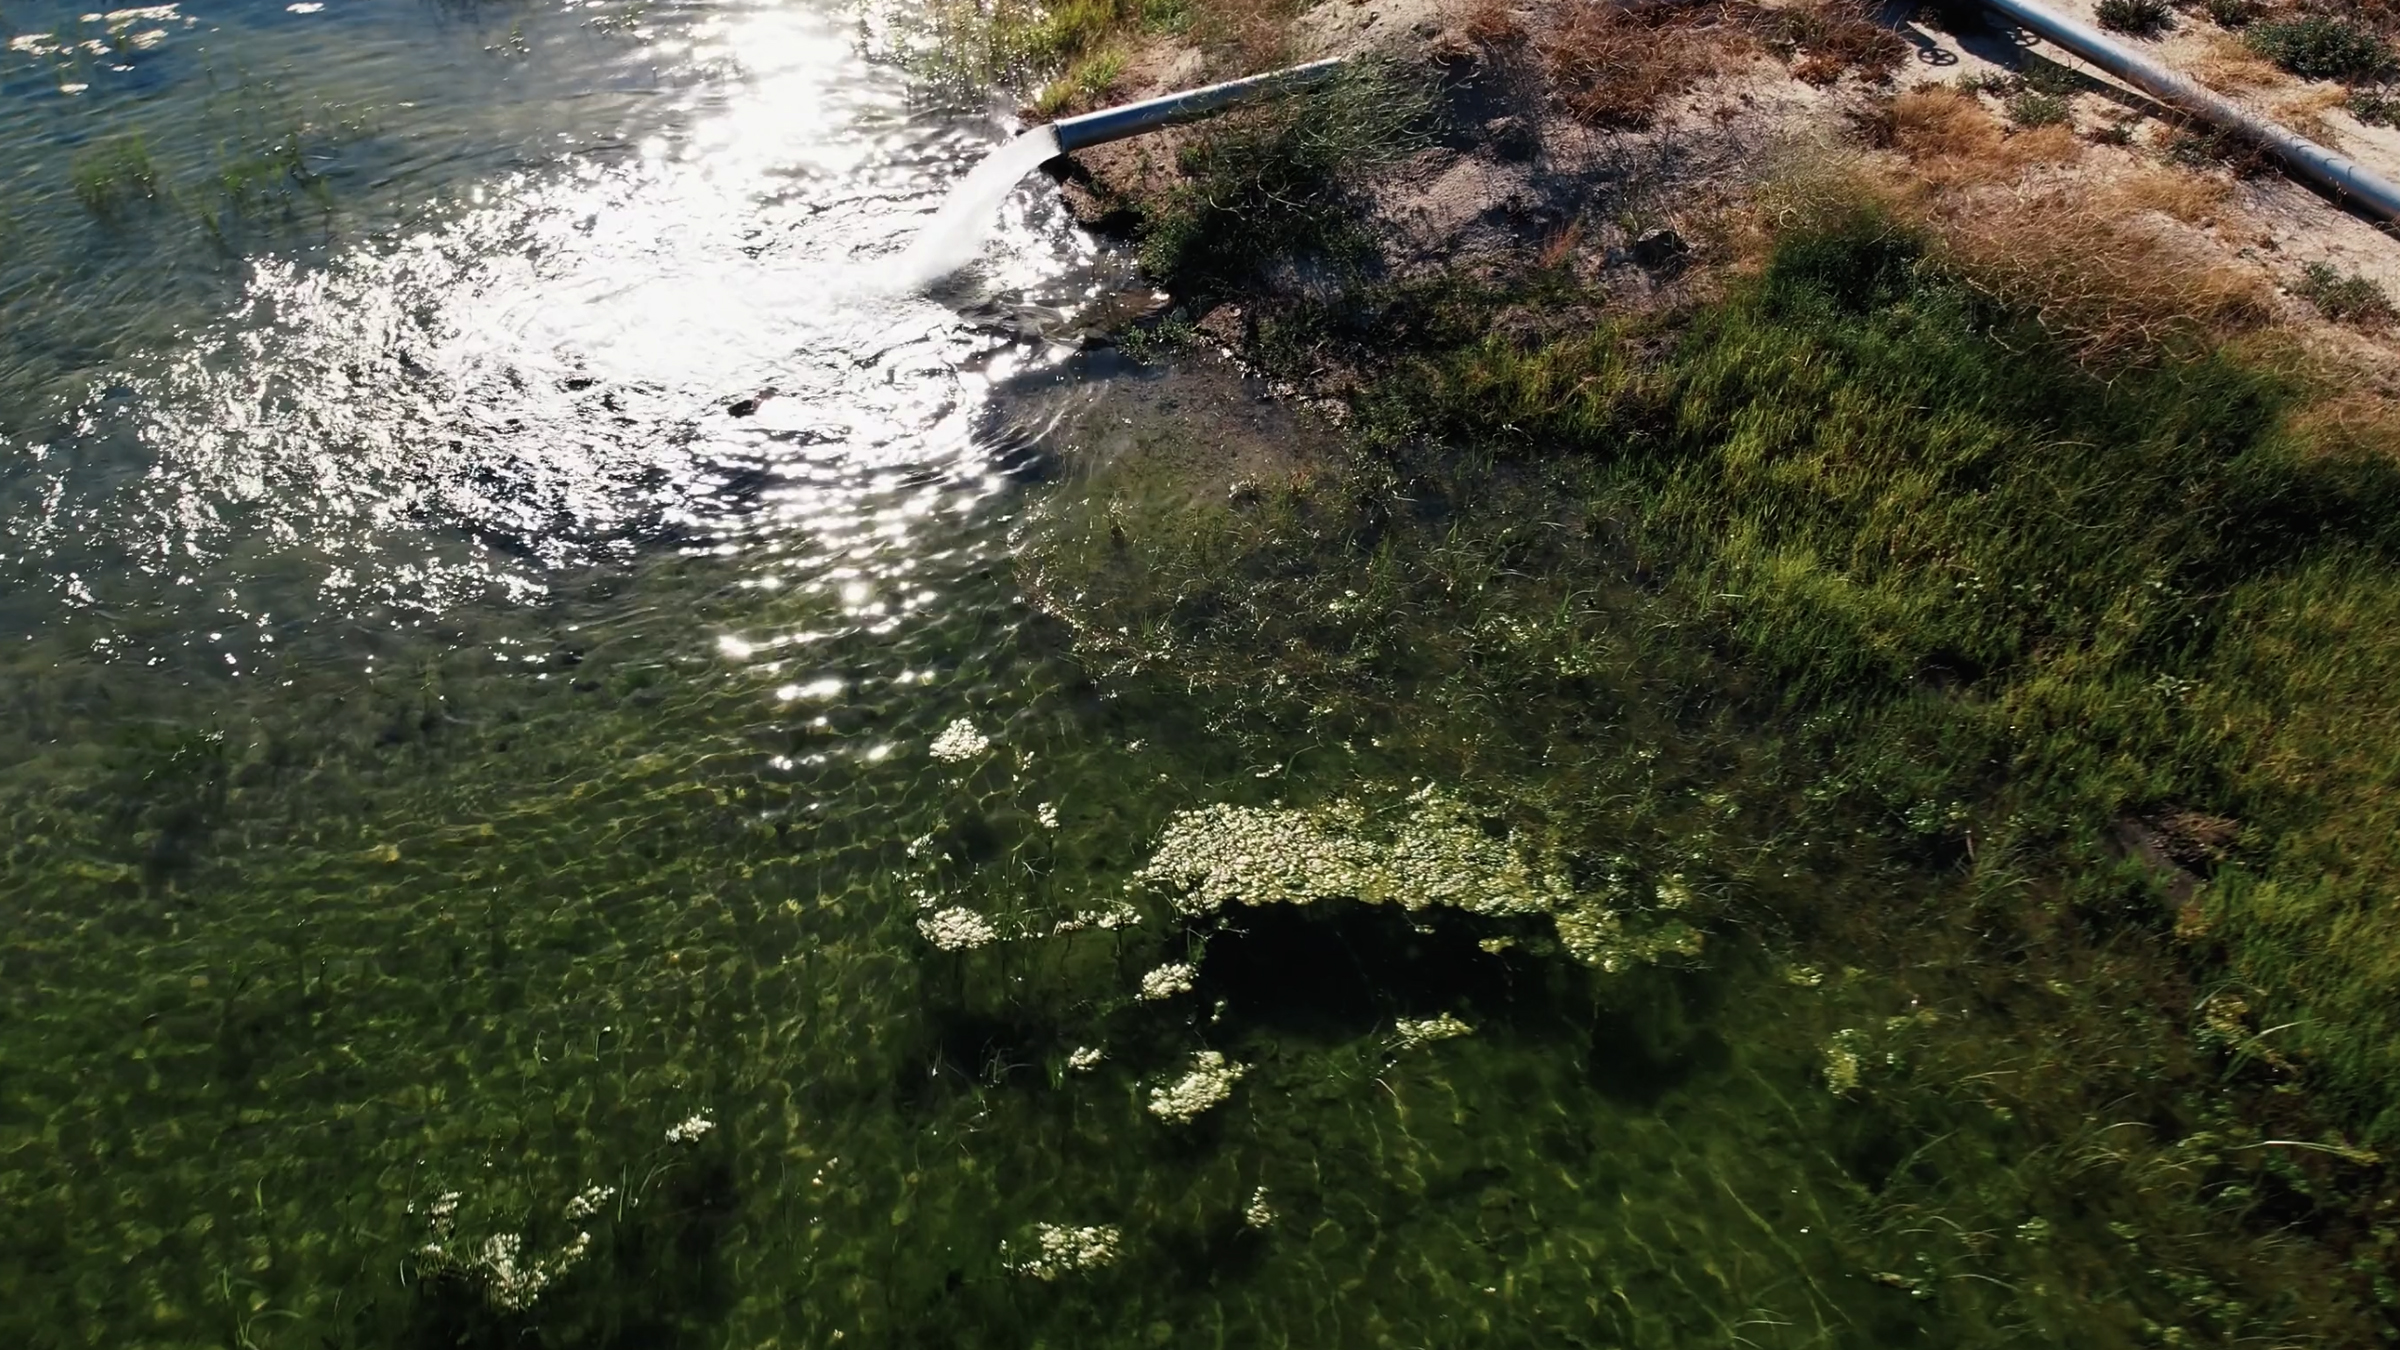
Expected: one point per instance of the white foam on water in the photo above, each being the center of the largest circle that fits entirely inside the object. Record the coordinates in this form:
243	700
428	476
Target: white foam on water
956	233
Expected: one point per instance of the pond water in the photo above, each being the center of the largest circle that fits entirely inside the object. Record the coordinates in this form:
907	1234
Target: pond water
586	769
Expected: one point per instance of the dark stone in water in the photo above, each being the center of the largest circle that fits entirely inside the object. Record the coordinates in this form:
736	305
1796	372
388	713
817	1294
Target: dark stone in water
744	407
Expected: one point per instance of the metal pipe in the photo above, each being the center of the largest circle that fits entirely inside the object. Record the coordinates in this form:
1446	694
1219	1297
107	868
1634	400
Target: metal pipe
2347	180
1132	119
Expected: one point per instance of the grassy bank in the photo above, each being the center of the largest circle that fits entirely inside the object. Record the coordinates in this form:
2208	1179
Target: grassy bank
2092	640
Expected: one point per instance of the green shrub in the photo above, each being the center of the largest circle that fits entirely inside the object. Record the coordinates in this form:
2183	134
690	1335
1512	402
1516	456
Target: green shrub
2033	108
2321	47
2232	13
2142	18
1278	182
2375	107
2350	299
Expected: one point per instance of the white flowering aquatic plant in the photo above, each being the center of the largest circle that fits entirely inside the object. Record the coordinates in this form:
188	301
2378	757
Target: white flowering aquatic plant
498	1264
690	1130
1259	1213
1168	980
1410	1032
1059	1249
1209	1081
957	929
1434	851
960	741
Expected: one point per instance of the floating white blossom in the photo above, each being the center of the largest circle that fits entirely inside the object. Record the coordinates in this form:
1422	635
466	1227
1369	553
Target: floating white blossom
1258	1213
1168	980
1059	1249
690	1130
1411	1032
960	740
1047	813
1210	1081
1086	1058
957	929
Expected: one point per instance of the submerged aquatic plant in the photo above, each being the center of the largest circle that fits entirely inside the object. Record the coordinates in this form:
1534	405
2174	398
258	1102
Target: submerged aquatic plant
1434	851
960	741
1209	1081
1410	1032
957	929
1061	1250
1259	1213
1167	981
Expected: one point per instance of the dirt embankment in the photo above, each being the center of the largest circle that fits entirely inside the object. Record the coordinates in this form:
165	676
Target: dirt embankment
1643	146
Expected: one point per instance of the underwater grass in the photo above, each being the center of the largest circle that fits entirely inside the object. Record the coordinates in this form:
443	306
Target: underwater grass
114	175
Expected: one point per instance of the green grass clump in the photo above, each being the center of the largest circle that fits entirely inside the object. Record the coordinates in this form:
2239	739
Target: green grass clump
2322	47
2231	13
2352	298
2142	18
2033	108
2152	589
115	174
1279	183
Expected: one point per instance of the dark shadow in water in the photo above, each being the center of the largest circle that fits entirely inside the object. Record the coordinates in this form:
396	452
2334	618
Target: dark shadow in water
1337	970
1656	1031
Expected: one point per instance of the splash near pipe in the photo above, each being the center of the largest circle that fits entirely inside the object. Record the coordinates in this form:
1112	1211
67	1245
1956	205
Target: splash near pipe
951	239
2345	179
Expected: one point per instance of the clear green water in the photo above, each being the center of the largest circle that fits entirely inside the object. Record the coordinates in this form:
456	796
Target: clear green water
473	804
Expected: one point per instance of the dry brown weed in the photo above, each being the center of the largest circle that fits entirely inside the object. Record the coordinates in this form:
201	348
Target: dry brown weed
1831	38
2188	197
2227	63
1492	23
1612	65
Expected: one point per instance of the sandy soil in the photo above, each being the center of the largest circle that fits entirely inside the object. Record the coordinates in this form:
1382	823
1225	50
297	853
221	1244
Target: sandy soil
1521	175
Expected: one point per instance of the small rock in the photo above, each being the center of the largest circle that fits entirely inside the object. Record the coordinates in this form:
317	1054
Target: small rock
1658	249
1512	138
744	407
1428	28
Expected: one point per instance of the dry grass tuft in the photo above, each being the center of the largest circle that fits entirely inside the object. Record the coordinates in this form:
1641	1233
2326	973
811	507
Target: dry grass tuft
2052	144
2105	282
1613	66
2305	111
1492	23
2188	197
2227	63
2110	282
1832	38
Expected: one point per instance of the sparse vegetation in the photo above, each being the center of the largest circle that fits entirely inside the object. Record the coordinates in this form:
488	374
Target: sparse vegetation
115	174
2231	13
1832	38
2141	18
2321	47
2348	298
1613	65
1273	183
2375	107
2033	108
